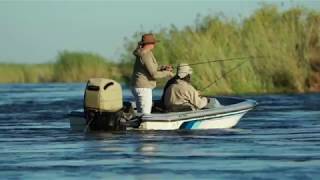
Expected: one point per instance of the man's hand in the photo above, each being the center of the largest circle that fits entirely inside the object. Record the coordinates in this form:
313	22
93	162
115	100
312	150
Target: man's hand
169	67
166	68
171	74
199	93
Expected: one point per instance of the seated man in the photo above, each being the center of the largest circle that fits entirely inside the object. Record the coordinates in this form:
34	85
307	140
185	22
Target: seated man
180	95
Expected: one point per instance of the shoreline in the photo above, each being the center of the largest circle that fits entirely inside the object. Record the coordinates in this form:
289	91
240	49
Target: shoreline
125	86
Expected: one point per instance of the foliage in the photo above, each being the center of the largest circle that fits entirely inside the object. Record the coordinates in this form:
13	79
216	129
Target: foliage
19	73
80	66
288	41
284	39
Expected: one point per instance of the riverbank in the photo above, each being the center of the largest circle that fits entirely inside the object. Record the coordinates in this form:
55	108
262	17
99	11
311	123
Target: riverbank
288	41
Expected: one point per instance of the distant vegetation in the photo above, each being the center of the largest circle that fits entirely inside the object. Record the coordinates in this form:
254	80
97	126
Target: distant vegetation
289	41
69	67
21	73
79	67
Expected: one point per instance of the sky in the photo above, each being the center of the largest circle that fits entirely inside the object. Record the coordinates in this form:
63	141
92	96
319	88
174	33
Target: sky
35	31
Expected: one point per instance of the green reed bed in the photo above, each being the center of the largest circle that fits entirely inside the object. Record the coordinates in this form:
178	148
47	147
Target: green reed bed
69	67
80	66
281	37
22	73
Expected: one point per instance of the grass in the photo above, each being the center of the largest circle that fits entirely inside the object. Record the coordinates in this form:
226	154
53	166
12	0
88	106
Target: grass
69	67
80	66
20	73
288	41
283	38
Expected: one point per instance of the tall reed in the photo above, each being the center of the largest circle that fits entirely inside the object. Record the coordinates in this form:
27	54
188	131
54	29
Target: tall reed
22	73
80	66
281	37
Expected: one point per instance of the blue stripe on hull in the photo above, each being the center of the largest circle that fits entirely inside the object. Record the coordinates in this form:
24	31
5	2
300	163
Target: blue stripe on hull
194	124
190	125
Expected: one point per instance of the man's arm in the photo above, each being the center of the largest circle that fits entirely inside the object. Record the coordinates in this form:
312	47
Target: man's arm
152	67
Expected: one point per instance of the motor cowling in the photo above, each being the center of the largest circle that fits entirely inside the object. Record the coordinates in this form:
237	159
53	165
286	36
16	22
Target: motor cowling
103	105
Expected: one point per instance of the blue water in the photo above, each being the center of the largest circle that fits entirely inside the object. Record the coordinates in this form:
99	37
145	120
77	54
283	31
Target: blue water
280	139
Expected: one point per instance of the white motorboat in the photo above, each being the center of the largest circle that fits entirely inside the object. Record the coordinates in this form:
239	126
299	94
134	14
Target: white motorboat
226	115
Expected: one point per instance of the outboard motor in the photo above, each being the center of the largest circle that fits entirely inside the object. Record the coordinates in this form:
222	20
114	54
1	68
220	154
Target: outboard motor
103	105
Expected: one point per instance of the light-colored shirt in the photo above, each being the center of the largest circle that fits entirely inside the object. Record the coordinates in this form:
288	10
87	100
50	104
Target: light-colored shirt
145	70
182	95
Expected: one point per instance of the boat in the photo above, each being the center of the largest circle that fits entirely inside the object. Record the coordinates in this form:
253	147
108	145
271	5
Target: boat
105	110
226	115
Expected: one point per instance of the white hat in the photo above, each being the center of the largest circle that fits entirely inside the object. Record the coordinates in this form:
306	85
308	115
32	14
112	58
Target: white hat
183	70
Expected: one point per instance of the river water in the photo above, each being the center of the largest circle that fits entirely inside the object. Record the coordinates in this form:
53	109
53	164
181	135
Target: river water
279	139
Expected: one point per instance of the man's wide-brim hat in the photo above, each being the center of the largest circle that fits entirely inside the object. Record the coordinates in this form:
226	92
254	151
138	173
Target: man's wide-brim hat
148	39
183	70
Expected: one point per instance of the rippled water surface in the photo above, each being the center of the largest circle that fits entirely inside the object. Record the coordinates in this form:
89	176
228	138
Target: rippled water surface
280	139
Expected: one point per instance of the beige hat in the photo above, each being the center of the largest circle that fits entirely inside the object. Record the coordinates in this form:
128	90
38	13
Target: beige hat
183	70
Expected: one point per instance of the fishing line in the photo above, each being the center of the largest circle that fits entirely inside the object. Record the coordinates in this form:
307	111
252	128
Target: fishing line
88	125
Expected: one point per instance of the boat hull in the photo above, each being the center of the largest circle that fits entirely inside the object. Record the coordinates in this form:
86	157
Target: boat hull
220	121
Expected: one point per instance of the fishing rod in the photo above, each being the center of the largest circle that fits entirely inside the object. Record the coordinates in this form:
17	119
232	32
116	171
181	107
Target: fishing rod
221	60
224	74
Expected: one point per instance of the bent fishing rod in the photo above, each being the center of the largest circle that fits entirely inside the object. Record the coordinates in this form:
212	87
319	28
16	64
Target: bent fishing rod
223	75
221	60
249	58
171	67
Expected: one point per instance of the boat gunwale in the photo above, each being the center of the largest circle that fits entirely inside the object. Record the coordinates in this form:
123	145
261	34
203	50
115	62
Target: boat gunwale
245	105
203	118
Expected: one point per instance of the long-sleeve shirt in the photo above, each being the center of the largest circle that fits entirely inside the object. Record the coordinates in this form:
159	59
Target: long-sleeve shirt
146	70
182	95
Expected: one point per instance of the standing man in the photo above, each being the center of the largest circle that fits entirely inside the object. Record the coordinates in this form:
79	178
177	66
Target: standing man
145	73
